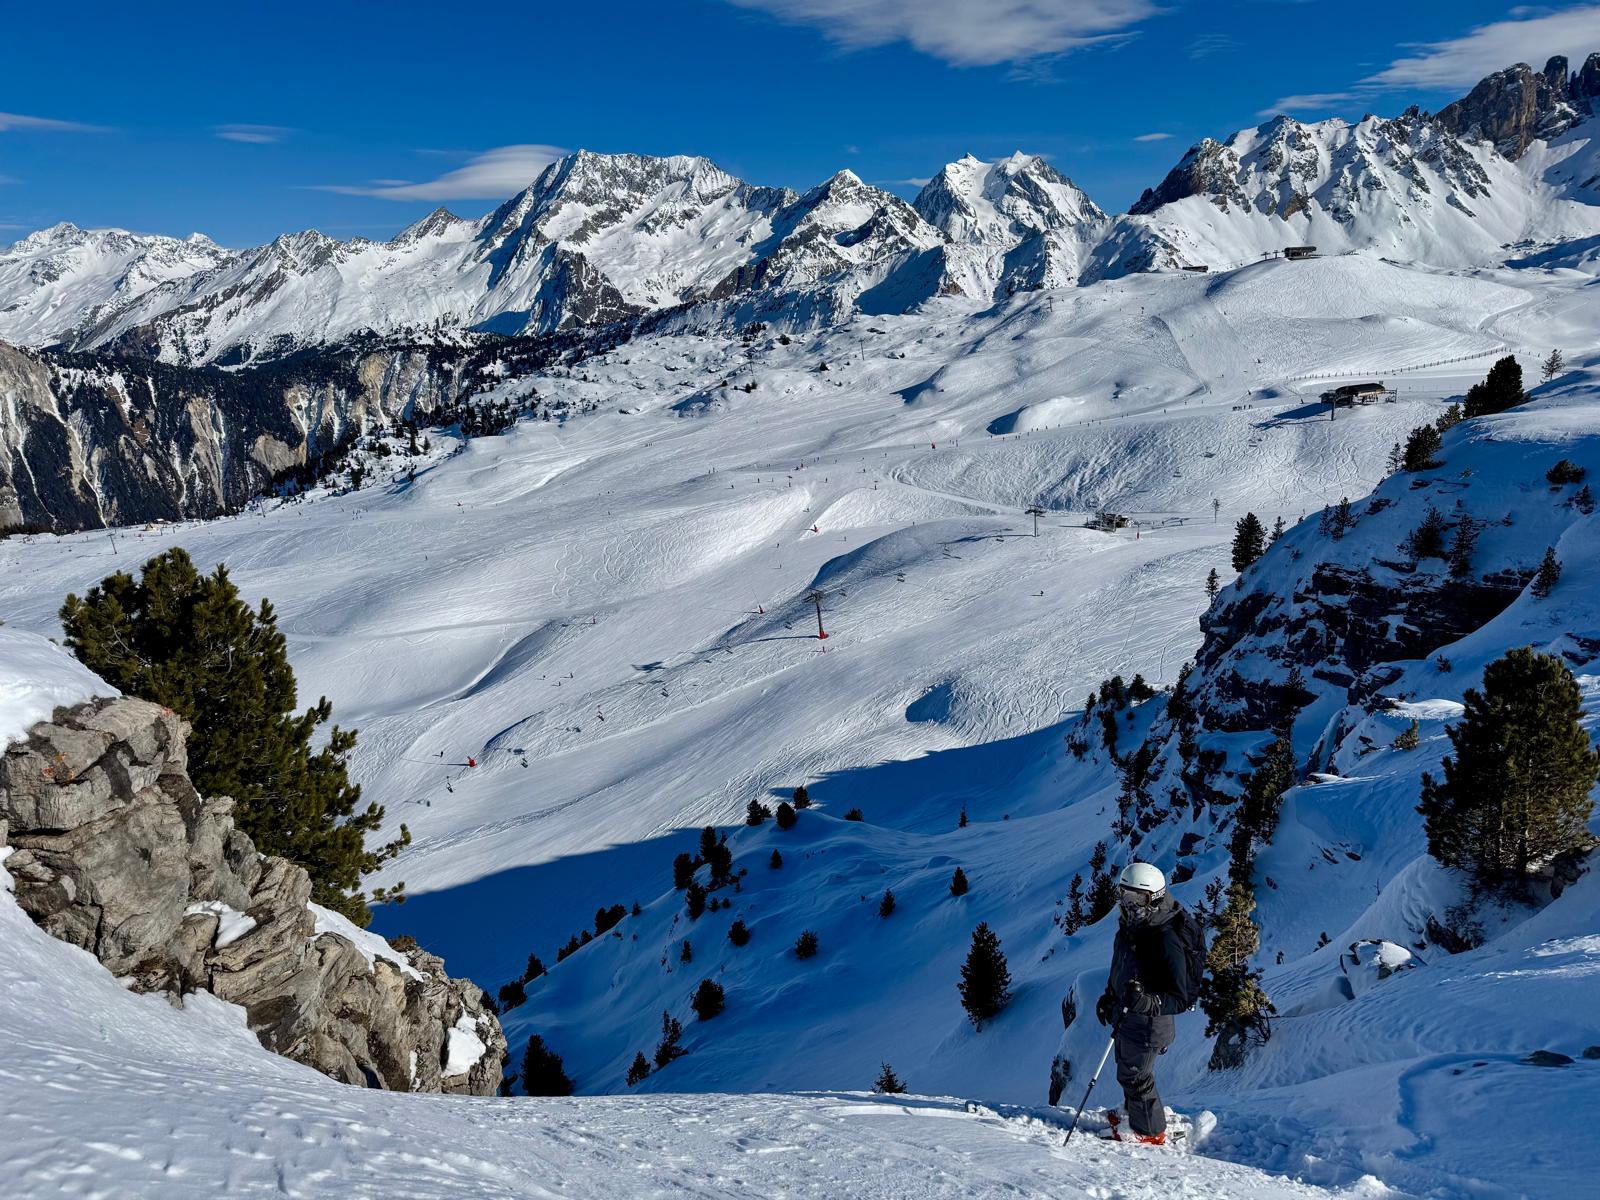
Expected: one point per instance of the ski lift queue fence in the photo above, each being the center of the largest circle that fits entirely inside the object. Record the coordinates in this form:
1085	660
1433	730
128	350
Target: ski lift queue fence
1425	366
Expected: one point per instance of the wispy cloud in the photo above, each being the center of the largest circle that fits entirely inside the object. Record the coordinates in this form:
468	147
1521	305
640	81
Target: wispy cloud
1461	62
10	121
1306	102
491	175
964	33
256	135
1152	137
1530	35
1208	44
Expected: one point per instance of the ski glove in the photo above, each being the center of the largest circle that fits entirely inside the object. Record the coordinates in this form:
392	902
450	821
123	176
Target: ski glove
1137	1000
1105	1009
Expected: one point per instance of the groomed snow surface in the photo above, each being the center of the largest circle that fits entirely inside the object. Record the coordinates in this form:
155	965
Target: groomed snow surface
608	618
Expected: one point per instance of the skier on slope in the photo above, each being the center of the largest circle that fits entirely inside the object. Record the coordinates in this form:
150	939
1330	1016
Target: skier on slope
1156	963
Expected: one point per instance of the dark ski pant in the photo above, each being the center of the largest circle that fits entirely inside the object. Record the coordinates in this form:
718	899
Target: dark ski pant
1140	1041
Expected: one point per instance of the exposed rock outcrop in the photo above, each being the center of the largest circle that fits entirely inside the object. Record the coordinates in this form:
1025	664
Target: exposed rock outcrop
1514	107
113	850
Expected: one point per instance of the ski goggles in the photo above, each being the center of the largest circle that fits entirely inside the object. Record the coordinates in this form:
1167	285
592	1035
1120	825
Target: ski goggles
1135	897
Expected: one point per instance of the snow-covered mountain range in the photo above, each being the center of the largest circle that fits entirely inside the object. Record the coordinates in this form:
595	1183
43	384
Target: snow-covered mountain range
598	238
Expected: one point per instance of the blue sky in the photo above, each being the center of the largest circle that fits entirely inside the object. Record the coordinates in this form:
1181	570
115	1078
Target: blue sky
244	121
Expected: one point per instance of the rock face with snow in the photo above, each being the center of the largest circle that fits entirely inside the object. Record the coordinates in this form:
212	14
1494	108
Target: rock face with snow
88	440
1013	225
1517	106
617	239
113	850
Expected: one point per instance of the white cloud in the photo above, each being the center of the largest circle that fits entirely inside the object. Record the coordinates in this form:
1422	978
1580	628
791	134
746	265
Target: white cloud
9	121
1318	101
257	135
965	33
491	175
1208	44
1461	62
1152	137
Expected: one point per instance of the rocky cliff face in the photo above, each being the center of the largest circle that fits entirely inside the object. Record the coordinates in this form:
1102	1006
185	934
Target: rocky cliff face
1517	106
113	850
88	440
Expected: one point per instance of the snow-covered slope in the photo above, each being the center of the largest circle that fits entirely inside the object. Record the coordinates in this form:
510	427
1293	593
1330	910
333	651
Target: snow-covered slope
618	602
108	1093
1404	188
55	282
600	239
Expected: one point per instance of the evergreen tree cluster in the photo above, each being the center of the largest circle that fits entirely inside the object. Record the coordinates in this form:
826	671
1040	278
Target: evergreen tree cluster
543	1073
1515	793
189	642
1500	390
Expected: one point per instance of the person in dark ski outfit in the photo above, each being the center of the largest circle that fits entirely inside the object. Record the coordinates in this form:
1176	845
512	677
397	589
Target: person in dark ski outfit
1151	981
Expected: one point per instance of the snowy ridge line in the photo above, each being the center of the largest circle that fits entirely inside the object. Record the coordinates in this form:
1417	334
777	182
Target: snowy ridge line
1440	362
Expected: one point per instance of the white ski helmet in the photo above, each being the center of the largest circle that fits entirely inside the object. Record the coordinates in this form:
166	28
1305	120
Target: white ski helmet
1142	877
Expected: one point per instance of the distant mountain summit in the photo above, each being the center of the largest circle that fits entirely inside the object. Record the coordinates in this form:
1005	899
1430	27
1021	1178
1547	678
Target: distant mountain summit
1512	168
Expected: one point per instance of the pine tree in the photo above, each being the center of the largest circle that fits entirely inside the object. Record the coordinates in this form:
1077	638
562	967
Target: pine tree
886	905
1462	546
756	813
1397	458
1516	791
188	642
543	1073
533	970
1249	540
985	985
1427	539
1502	389
1236	1008
1422	449
1584	500
512	995
1552	366
1279	528
1549	574
786	816
686	951
739	933
639	1071
1102	896
708	999
1409	738
683	867
695	900
775	861
802	797
888	1083
961	821
1341	520
958	883
668	1049
854	814
1074	919
805	945
1213	586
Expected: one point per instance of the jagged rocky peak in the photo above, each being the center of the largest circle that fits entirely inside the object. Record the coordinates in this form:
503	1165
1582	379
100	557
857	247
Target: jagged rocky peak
1517	106
439	222
971	200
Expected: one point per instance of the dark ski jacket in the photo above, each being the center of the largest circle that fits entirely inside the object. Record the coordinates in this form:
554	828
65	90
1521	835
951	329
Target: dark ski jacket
1151	951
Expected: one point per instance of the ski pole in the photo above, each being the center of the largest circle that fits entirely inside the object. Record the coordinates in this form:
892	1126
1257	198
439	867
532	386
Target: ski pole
1092	1081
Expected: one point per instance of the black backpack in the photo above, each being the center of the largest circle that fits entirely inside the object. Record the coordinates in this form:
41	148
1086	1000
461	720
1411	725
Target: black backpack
1193	940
